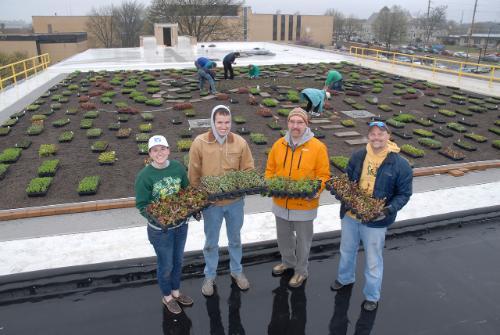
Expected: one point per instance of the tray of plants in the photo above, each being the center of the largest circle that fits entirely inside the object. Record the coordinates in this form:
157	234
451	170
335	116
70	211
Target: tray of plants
282	187
365	207
233	184
173	209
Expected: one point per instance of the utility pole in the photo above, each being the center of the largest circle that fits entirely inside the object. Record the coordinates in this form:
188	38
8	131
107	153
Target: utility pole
428	24
470	32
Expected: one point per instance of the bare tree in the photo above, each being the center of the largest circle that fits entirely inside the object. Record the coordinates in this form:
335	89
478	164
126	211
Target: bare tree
129	18
434	20
338	24
352	27
202	19
101	24
391	25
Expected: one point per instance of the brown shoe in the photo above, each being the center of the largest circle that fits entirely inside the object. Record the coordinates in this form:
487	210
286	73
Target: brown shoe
297	280
241	281
172	306
279	269
184	300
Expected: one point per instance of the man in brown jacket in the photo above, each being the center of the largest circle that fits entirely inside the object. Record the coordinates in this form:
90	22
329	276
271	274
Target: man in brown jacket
213	154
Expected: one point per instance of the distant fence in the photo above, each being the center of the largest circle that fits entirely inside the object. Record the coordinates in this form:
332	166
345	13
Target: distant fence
10	74
475	70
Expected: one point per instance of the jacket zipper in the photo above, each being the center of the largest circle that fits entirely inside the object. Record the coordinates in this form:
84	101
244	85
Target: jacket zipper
300	159
286	155
290	172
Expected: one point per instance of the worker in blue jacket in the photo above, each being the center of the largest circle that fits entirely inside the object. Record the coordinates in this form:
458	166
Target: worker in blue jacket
228	62
315	100
206	72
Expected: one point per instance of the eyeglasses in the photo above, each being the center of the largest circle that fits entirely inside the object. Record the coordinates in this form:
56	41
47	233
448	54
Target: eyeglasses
296	123
379	124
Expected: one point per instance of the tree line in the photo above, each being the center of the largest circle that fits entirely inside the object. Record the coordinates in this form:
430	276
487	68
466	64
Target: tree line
121	26
390	25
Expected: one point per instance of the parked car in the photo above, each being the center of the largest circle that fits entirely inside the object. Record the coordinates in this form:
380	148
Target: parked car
491	58
460	54
403	59
476	69
482	69
447	53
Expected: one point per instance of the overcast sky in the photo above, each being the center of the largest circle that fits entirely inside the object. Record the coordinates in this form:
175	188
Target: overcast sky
487	10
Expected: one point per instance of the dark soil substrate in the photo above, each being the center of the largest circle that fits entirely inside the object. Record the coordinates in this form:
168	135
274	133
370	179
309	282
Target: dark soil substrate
77	159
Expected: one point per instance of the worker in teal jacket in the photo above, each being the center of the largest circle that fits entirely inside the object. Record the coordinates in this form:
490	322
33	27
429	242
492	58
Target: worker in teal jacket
253	71
315	100
333	81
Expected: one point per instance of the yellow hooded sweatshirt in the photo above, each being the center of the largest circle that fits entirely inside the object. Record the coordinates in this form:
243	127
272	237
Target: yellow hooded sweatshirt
371	164
370	167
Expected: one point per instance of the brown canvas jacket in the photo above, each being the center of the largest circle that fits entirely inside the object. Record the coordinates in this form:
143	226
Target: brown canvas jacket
207	157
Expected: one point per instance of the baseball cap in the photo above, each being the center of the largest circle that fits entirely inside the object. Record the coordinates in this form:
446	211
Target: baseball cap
157	140
379	124
328	95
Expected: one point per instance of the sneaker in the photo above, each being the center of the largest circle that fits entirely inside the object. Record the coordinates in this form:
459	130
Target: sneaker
297	280
337	286
184	300
279	269
208	287
241	280
370	306
314	114
172	306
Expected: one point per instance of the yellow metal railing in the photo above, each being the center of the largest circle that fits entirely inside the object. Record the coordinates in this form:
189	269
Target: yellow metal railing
482	71
11	73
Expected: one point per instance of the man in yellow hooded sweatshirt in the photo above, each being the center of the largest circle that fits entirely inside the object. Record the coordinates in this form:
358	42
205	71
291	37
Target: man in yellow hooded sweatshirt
384	174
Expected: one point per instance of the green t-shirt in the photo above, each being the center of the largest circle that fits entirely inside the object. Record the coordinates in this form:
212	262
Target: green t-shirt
152	183
332	76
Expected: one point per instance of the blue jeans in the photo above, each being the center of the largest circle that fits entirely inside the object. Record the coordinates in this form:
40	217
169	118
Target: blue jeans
202	76
337	86
212	218
169	249
373	240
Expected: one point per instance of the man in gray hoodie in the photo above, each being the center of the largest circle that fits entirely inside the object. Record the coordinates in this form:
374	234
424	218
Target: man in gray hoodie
298	155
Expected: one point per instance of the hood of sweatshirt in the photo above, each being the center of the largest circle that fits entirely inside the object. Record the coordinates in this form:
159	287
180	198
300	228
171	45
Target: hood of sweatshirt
308	134
391	147
220	139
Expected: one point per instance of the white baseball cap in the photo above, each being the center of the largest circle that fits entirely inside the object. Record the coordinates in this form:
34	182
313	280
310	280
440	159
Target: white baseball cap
328	95
157	140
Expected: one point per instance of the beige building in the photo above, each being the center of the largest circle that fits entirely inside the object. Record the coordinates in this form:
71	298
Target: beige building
242	25
64	24
64	36
58	46
316	29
